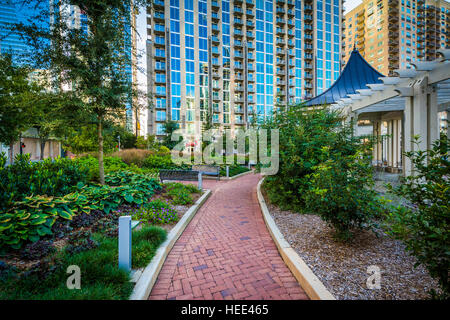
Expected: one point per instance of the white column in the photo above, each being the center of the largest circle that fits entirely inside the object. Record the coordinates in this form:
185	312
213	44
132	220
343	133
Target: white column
38	149
433	118
379	144
375	145
407	134
394	144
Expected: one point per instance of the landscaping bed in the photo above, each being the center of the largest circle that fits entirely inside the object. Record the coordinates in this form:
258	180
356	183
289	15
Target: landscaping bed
54	215
342	266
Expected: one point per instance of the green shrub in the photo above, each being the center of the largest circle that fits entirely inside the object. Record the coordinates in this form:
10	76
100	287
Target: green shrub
156	212
341	192
323	169
52	178
425	229
302	134
159	162
180	193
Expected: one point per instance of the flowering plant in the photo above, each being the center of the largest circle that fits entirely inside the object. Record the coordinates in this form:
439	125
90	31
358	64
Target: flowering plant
156	212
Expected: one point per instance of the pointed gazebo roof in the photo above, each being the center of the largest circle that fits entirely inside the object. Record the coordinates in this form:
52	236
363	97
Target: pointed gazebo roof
356	75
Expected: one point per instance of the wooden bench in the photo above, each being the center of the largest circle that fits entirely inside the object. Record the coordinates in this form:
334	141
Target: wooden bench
207	170
180	175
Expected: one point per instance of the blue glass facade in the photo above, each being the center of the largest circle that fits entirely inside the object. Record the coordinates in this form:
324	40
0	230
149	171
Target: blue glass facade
242	59
11	12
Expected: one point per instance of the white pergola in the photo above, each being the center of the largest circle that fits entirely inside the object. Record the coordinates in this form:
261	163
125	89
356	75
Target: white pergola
410	102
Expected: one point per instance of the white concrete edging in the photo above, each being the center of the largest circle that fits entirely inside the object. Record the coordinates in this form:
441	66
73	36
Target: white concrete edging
148	278
313	287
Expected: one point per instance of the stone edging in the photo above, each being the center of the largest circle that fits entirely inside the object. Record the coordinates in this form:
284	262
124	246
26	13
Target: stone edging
148	278
313	287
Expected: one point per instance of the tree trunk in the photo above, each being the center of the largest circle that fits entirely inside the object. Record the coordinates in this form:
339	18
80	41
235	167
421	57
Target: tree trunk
42	143
100	152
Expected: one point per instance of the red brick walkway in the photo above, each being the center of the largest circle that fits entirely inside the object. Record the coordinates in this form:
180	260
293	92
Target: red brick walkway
226	251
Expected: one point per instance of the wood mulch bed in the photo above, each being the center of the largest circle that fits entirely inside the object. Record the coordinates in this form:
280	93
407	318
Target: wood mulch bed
342	267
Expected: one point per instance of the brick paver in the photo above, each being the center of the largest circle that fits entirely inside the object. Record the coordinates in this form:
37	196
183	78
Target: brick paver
226	252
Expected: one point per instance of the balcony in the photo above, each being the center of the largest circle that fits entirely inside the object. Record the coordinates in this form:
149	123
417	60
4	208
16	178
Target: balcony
291	13
281	62
281	42
281	83
215	63
308	66
280	31
250	13
239	78
250	35
215	17
280	11
250	24
238	22
238	10
308	8
308	18
238	99
308	56
250	46
239	110
215	75
238	66
160	68
250	78
250	68
239	89
159	29
280	21
237	44
158	16
238	33
215	28
158	4
291	43
215	39
281	72
250	56
215	51
238	56
250	3
281	52
215	5
290	3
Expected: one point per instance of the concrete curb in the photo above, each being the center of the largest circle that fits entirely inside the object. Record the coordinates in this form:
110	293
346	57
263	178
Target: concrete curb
148	278
304	275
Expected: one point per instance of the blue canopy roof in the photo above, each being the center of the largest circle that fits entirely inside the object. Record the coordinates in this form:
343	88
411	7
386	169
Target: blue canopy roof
357	74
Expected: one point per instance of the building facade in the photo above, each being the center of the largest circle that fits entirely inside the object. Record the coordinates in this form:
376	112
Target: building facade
392	34
235	61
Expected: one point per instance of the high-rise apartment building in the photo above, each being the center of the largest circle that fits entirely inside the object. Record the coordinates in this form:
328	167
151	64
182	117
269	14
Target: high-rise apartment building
12	12
236	60
392	34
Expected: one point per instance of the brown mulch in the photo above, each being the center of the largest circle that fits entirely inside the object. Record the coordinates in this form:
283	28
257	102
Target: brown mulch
342	267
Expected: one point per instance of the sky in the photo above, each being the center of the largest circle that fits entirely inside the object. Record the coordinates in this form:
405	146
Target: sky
350	4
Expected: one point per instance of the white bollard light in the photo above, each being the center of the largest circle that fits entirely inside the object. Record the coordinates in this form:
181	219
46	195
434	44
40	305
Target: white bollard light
228	171
125	243
200	181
